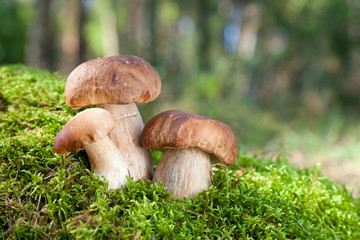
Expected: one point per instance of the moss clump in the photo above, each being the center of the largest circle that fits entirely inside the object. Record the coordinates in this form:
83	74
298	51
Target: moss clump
45	195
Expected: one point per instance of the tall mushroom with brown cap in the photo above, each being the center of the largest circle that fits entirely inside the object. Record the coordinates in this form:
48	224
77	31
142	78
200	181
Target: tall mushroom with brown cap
116	84
88	130
190	140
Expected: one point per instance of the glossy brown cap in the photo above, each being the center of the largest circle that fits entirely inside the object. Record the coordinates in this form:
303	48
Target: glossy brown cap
179	129
83	129
119	79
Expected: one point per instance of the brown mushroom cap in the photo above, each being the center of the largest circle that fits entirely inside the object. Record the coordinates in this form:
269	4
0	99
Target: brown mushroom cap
83	129
120	79
179	129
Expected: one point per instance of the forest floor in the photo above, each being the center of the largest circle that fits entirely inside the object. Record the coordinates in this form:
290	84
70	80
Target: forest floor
342	171
336	148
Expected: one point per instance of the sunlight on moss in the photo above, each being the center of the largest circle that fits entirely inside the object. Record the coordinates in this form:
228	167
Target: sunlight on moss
46	195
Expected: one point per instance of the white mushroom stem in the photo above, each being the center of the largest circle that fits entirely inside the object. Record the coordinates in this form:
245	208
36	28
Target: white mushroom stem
107	161
184	172
126	137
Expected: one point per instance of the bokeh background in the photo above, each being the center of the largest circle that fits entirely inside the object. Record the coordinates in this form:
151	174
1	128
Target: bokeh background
284	75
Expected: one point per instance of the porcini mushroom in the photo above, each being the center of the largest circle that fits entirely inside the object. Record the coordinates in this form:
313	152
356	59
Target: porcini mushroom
116	84
190	140
88	130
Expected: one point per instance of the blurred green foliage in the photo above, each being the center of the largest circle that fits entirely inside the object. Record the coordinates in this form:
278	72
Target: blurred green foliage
13	28
255	65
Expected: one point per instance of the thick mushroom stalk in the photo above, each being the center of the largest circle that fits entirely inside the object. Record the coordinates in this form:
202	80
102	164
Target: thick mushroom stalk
88	131
185	172
107	161
126	136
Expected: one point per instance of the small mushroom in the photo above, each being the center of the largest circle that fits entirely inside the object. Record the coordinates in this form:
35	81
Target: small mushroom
116	83
88	130
190	141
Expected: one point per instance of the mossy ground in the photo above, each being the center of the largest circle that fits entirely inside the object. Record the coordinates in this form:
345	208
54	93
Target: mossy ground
46	195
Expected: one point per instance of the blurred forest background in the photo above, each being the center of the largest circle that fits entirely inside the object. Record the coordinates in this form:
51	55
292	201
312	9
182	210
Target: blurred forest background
284	75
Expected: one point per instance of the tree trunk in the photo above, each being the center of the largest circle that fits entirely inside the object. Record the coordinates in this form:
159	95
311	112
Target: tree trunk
73	43
40	52
108	29
203	10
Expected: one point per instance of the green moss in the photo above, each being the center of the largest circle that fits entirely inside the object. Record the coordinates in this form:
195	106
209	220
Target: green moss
45	195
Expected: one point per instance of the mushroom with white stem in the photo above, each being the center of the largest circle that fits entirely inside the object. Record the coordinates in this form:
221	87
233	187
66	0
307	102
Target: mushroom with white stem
88	130
116	84
190	141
